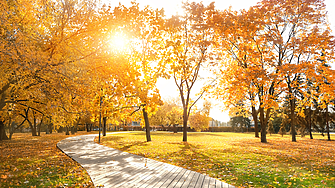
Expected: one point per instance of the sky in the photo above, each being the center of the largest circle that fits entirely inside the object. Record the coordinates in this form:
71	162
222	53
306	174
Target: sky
172	7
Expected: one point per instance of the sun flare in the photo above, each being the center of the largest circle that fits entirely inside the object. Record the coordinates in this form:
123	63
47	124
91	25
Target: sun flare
119	42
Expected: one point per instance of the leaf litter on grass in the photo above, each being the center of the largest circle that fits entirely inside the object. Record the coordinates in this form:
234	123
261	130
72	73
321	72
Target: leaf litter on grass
28	161
239	158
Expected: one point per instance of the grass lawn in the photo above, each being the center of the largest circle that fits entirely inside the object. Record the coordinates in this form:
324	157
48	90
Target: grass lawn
27	161
239	159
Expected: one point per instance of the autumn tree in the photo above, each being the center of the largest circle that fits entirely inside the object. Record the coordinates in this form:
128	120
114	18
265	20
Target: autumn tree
282	130
160	117
16	51
13	119
187	43
306	118
44	39
270	129
175	117
199	119
141	28
297	32
169	114
275	53
148	35
325	89
243	74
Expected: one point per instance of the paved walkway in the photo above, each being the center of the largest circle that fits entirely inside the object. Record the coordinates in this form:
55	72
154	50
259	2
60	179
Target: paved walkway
113	168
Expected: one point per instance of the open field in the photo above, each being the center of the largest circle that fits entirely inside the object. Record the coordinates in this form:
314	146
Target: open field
27	161
240	159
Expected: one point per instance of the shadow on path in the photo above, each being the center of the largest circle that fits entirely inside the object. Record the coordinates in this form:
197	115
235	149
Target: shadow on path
113	168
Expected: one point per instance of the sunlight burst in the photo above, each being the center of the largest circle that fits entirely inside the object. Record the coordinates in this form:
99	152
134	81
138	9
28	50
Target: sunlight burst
119	42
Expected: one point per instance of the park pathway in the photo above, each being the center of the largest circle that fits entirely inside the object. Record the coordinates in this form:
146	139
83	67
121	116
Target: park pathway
113	168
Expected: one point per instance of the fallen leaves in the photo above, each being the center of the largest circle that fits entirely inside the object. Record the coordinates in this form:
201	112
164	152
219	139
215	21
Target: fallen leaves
239	159
36	162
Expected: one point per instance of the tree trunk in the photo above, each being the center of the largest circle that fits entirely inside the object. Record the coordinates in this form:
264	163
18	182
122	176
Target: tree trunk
77	125
3	135
33	131
33	128
50	128
104	127
310	123
87	128
254	116
60	130
73	130
147	126
175	130
10	135
327	123
293	132
185	119
67	131
39	127
76	129
11	128
263	125
39	130
100	126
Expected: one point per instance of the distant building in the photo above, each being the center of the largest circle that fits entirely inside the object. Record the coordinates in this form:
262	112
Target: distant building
217	123
135	123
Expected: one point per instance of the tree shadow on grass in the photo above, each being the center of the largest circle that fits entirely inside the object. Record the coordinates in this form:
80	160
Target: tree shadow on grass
133	143
191	153
220	134
112	138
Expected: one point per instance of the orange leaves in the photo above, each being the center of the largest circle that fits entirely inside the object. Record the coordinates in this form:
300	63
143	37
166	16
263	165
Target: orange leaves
199	120
37	162
188	40
48	56
238	158
175	116
276	50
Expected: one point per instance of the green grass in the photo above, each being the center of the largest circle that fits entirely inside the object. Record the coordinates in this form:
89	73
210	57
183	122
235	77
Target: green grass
27	161
239	159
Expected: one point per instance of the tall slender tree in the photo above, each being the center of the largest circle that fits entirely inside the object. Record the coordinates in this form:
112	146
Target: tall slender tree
187	44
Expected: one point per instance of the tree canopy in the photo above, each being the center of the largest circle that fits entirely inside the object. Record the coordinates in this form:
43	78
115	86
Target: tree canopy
62	61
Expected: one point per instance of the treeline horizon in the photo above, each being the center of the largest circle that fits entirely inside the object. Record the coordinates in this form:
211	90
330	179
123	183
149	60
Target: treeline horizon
65	61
